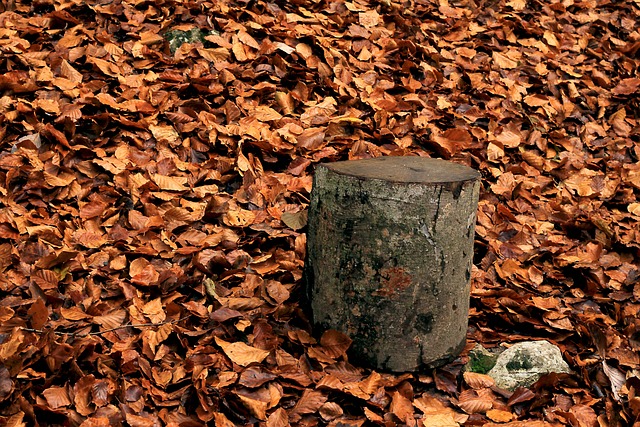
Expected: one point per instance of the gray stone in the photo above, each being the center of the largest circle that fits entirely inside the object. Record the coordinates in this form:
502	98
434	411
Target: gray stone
524	363
390	246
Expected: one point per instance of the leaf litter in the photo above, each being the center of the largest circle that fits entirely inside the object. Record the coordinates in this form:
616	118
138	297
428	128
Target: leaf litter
153	204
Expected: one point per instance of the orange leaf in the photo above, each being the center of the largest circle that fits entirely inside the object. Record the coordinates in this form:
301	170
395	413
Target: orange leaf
139	421
453	140
170	183
239	218
499	416
372	416
278	418
154	311
61	180
266	114
242	354
164	133
6	313
503	61
73	75
247	40
148	276
371	384
9	347
401	407
221	420
475	380
369	19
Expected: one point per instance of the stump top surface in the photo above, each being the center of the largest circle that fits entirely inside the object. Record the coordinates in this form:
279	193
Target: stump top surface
409	169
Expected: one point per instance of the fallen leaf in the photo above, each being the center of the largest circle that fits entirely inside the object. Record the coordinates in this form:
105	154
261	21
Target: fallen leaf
240	353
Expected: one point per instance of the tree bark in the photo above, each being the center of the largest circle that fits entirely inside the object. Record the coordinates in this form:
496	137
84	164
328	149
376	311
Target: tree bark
389	255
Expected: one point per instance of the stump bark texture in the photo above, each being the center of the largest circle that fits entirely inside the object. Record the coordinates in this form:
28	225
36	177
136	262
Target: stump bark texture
389	255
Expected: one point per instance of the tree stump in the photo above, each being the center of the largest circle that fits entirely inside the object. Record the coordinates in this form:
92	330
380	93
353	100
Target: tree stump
389	255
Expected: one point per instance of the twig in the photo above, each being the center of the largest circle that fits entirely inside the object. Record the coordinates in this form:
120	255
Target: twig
135	325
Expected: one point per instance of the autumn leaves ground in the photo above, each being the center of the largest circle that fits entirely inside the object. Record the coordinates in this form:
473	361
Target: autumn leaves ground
151	228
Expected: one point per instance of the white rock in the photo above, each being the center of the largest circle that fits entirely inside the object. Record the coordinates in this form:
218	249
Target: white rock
524	363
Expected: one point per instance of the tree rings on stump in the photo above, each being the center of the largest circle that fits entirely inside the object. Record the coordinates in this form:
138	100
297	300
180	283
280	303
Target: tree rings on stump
389	255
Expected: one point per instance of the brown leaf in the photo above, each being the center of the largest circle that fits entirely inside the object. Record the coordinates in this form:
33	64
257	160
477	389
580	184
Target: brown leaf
57	397
239	218
330	411
277	291
142	272
285	101
70	73
111	320
295	221
616	377
266	114
82	395
311	139
254	376
472	403
39	314
309	402
520	395
6	384
335	343
92	209
6	313
584	415
626	86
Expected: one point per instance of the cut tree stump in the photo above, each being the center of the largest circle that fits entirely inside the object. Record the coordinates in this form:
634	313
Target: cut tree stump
389	255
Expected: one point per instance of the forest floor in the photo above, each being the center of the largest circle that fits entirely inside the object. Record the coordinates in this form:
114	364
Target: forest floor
152	204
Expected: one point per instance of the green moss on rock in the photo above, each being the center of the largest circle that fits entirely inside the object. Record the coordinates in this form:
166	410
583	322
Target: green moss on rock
177	38
481	360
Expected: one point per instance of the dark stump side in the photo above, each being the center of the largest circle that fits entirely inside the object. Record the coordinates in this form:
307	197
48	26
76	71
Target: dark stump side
389	255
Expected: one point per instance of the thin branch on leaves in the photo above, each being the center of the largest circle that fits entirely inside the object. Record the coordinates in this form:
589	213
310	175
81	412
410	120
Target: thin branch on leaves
134	325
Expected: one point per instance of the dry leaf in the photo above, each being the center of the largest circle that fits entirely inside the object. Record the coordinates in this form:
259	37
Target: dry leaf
240	353
57	397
